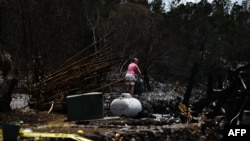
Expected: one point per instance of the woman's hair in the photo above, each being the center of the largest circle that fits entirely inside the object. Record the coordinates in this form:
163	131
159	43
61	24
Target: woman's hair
135	60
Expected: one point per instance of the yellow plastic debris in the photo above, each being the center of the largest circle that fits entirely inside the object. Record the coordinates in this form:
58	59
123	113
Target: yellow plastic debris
40	135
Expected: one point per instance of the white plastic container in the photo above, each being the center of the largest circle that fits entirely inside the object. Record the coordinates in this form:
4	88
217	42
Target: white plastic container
125	106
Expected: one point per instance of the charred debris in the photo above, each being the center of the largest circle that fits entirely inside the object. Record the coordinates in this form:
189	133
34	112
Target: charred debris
88	70
230	101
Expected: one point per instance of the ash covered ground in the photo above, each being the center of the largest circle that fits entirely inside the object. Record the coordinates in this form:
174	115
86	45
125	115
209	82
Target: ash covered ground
159	120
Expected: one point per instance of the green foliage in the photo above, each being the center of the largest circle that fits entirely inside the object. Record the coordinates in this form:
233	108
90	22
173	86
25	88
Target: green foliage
157	6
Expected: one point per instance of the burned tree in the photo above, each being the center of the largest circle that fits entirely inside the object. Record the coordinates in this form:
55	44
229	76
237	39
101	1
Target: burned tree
9	72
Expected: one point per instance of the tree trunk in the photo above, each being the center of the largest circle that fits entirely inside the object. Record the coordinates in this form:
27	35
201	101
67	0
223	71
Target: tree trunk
9	81
5	94
190	84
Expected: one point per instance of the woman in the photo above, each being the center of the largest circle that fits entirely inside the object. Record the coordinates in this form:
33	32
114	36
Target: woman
130	77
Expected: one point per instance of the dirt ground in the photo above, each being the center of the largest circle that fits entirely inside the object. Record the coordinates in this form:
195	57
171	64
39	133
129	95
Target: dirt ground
103	129
42	121
58	123
107	128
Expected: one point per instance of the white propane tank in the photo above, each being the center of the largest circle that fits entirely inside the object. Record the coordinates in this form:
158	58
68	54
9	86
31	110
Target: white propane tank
125	105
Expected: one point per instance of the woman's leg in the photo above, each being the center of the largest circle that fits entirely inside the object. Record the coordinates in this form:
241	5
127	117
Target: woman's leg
128	89
132	87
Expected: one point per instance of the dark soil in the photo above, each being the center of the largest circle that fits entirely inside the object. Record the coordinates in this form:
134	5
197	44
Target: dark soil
110	128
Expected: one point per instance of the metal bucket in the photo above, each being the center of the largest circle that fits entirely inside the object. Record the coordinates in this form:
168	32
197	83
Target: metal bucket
10	132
